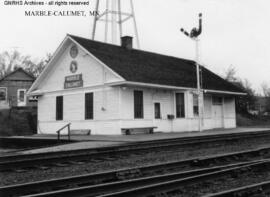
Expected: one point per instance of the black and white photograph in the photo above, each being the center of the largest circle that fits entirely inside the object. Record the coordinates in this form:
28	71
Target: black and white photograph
134	98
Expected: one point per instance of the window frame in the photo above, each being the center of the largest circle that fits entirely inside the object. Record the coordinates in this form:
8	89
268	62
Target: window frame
18	95
184	105
197	105
89	115
159	107
59	115
139	105
6	92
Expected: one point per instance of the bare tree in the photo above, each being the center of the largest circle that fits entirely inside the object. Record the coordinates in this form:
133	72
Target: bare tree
230	74
243	103
12	60
266	89
36	68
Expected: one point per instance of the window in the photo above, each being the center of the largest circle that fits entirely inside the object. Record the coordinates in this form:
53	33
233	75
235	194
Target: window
217	100
180	105
89	106
138	104
195	105
21	95
3	94
59	108
157	111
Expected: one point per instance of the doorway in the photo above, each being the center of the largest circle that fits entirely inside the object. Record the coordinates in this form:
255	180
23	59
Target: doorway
217	111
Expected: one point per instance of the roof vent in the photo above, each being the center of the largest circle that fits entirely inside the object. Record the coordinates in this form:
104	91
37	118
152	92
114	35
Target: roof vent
126	42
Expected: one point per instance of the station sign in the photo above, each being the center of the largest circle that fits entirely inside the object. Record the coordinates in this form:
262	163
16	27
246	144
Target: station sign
73	81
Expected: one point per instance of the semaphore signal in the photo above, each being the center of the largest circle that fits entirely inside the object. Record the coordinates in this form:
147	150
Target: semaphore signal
194	34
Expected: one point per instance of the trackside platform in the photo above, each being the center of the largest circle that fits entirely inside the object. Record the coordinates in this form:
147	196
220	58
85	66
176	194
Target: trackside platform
96	141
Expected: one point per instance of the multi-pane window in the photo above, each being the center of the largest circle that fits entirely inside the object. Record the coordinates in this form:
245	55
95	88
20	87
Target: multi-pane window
157	111
59	108
180	105
89	106
22	95
195	105
3	94
138	104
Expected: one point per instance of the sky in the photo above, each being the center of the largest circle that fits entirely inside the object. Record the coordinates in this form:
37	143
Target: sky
235	32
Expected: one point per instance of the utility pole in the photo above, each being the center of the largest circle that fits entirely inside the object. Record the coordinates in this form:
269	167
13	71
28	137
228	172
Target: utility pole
194	34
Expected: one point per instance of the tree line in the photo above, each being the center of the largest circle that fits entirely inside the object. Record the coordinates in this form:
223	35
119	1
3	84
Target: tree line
244	103
11	60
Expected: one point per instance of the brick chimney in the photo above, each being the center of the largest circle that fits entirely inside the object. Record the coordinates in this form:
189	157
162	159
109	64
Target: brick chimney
126	42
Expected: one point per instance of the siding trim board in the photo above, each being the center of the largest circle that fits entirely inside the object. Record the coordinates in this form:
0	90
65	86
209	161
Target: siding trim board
170	87
131	83
223	92
72	91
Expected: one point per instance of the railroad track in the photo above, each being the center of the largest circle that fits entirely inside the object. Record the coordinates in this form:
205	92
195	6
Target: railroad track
184	168
254	190
164	187
64	158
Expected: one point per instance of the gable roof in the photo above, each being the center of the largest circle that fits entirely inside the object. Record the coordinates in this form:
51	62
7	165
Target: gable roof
23	76
146	67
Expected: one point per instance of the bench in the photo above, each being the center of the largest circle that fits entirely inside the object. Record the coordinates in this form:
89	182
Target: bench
80	132
138	130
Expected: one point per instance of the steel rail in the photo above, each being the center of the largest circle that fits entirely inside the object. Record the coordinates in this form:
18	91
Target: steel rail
129	173
23	161
150	185
167	186
100	189
249	190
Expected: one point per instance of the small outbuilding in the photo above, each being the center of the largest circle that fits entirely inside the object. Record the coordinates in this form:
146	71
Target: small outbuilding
108	89
13	88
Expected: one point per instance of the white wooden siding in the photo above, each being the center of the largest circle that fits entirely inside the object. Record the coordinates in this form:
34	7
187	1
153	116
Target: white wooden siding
114	106
74	110
229	112
166	99
93	73
207	106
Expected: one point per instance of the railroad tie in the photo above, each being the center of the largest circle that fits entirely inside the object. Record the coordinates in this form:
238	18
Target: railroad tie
128	174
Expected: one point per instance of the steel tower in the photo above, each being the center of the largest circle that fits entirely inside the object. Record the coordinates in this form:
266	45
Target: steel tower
114	15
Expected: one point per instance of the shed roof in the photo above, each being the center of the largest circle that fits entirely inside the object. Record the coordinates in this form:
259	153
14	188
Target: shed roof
19	74
147	67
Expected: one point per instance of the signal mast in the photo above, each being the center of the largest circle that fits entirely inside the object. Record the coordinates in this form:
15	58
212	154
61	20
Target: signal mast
194	34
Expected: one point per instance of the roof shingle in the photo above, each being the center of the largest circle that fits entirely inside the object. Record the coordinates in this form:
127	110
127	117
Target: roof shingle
146	67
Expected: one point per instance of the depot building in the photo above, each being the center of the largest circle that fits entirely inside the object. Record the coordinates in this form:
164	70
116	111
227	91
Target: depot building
108	89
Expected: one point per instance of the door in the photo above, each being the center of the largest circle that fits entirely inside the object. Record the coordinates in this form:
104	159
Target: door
217	112
157	115
21	97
